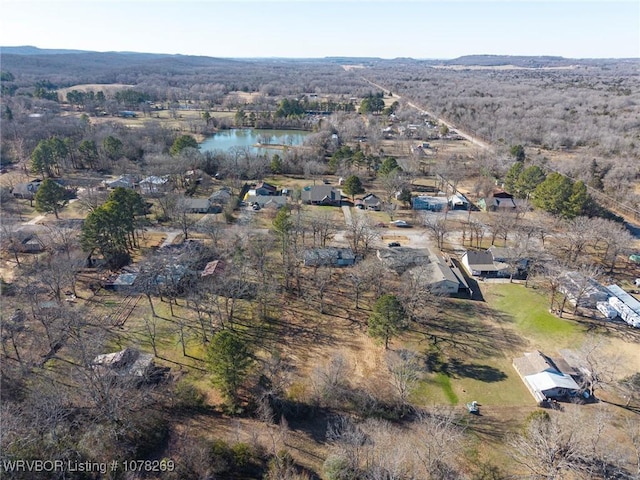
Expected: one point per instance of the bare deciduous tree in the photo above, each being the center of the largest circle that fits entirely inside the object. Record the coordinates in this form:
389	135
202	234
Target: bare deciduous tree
404	368
438	226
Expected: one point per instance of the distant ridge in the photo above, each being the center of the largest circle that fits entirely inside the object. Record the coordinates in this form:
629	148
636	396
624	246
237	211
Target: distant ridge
30	50
516	60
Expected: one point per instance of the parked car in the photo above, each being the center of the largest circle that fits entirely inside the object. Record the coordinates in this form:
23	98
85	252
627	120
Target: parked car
393	244
401	224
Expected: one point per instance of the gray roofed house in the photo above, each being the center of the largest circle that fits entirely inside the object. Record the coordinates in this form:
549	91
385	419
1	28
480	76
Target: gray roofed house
221	197
427	202
31	244
439	277
196	205
26	191
512	257
482	264
401	259
321	195
125	181
275	201
330	256
371	202
264	188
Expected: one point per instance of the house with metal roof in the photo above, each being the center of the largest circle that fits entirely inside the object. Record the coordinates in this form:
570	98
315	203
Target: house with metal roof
628	307
154	184
543	378
582	291
124	181
427	202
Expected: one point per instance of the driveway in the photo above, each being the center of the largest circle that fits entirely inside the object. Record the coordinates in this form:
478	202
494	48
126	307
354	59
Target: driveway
348	220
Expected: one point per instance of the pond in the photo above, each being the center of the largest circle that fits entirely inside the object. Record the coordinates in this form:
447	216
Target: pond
249	137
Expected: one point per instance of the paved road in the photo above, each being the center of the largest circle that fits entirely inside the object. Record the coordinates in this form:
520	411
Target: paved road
450	125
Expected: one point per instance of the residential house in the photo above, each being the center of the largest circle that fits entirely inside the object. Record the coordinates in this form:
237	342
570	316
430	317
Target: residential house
401	259
123	282
498	201
321	195
264	188
31	244
277	201
153	185
510	256
197	205
482	264
439	277
26	191
371	202
582	291
330	256
221	197
432	204
458	201
544	379
124	181
426	267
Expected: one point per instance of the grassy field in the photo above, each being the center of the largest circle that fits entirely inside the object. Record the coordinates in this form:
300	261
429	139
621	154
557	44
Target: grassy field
473	345
528	311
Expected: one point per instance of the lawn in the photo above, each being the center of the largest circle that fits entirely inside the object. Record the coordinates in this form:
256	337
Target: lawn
473	344
528	310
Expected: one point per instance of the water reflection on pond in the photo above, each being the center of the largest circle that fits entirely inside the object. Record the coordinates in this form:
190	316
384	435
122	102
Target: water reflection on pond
248	137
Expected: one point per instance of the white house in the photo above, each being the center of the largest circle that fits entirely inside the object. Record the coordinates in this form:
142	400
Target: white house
543	378
482	264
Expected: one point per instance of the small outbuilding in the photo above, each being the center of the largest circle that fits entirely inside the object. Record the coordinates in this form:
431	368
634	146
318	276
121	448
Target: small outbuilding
125	363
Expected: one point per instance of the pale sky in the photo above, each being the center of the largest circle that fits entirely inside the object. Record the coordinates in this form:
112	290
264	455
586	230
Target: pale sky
318	28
